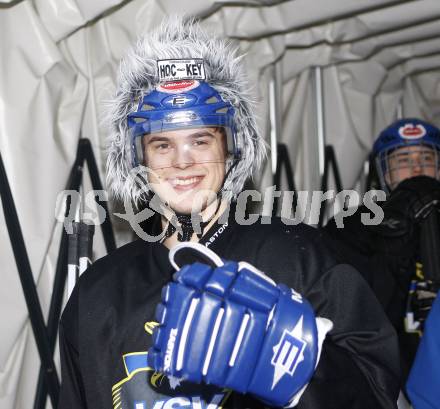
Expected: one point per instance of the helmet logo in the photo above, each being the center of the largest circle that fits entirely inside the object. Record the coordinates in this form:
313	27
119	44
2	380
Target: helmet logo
179	100
410	131
173	70
176	87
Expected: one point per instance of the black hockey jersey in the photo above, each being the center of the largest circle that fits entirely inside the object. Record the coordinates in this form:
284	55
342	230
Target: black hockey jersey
389	265
106	328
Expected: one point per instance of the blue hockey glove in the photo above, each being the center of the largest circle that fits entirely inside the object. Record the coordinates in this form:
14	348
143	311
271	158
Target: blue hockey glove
228	324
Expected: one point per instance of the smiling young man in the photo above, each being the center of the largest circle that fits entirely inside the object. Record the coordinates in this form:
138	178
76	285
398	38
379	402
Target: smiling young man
160	326
186	169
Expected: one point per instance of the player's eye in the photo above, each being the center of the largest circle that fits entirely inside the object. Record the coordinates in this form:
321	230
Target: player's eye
428	158
160	146
403	161
202	141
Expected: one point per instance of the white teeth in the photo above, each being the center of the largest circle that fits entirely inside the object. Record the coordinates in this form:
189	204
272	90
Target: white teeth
184	182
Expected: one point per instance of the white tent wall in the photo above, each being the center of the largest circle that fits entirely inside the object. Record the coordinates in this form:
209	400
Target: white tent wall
41	104
425	89
58	63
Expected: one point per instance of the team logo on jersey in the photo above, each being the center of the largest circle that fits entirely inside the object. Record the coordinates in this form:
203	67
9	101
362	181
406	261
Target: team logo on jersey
173	70
177	87
288	353
190	402
410	131
143	388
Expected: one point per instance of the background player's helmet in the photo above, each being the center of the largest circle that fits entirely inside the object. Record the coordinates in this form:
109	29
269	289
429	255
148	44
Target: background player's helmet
404	133
149	99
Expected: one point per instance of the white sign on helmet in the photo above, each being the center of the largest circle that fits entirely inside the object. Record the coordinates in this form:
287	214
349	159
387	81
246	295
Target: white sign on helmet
174	70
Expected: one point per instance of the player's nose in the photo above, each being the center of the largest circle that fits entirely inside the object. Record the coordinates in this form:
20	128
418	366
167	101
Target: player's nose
183	157
417	165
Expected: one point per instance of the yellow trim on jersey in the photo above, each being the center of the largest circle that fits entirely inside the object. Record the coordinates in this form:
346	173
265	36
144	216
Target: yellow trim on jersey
149	326
419	271
130	354
117	398
129	377
157	376
227	393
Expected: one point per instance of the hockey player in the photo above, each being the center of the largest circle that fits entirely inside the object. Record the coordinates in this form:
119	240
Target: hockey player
389	255
219	332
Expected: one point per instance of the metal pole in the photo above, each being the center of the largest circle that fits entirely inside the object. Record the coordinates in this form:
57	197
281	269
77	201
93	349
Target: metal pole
320	117
85	251
60	281
399	112
275	113
84	153
29	288
72	258
318	95
106	227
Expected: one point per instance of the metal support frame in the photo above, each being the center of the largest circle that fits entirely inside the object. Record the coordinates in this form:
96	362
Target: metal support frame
370	173
84	155
399	112
280	155
275	113
329	160
283	161
45	336
48	370
318	91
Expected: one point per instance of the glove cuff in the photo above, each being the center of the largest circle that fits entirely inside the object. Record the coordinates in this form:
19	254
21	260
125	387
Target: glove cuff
290	351
323	325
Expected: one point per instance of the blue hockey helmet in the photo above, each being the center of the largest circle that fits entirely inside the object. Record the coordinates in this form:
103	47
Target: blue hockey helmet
177	105
403	133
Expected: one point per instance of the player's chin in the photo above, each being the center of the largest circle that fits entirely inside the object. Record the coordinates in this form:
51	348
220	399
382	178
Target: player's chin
194	202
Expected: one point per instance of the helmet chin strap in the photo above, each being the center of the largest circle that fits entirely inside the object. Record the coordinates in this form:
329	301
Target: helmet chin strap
185	221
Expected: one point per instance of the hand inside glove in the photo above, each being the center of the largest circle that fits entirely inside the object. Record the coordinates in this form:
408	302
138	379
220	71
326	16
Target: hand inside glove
228	324
411	202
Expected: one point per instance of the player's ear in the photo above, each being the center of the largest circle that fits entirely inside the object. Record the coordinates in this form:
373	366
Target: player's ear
189	253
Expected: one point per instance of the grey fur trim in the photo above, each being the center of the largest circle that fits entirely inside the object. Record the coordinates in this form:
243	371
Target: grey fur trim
179	38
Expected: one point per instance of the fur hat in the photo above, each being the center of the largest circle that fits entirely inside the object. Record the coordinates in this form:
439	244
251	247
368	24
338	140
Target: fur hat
177	38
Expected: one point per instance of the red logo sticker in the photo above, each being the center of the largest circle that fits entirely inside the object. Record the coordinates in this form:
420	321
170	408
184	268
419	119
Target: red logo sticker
410	131
174	87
